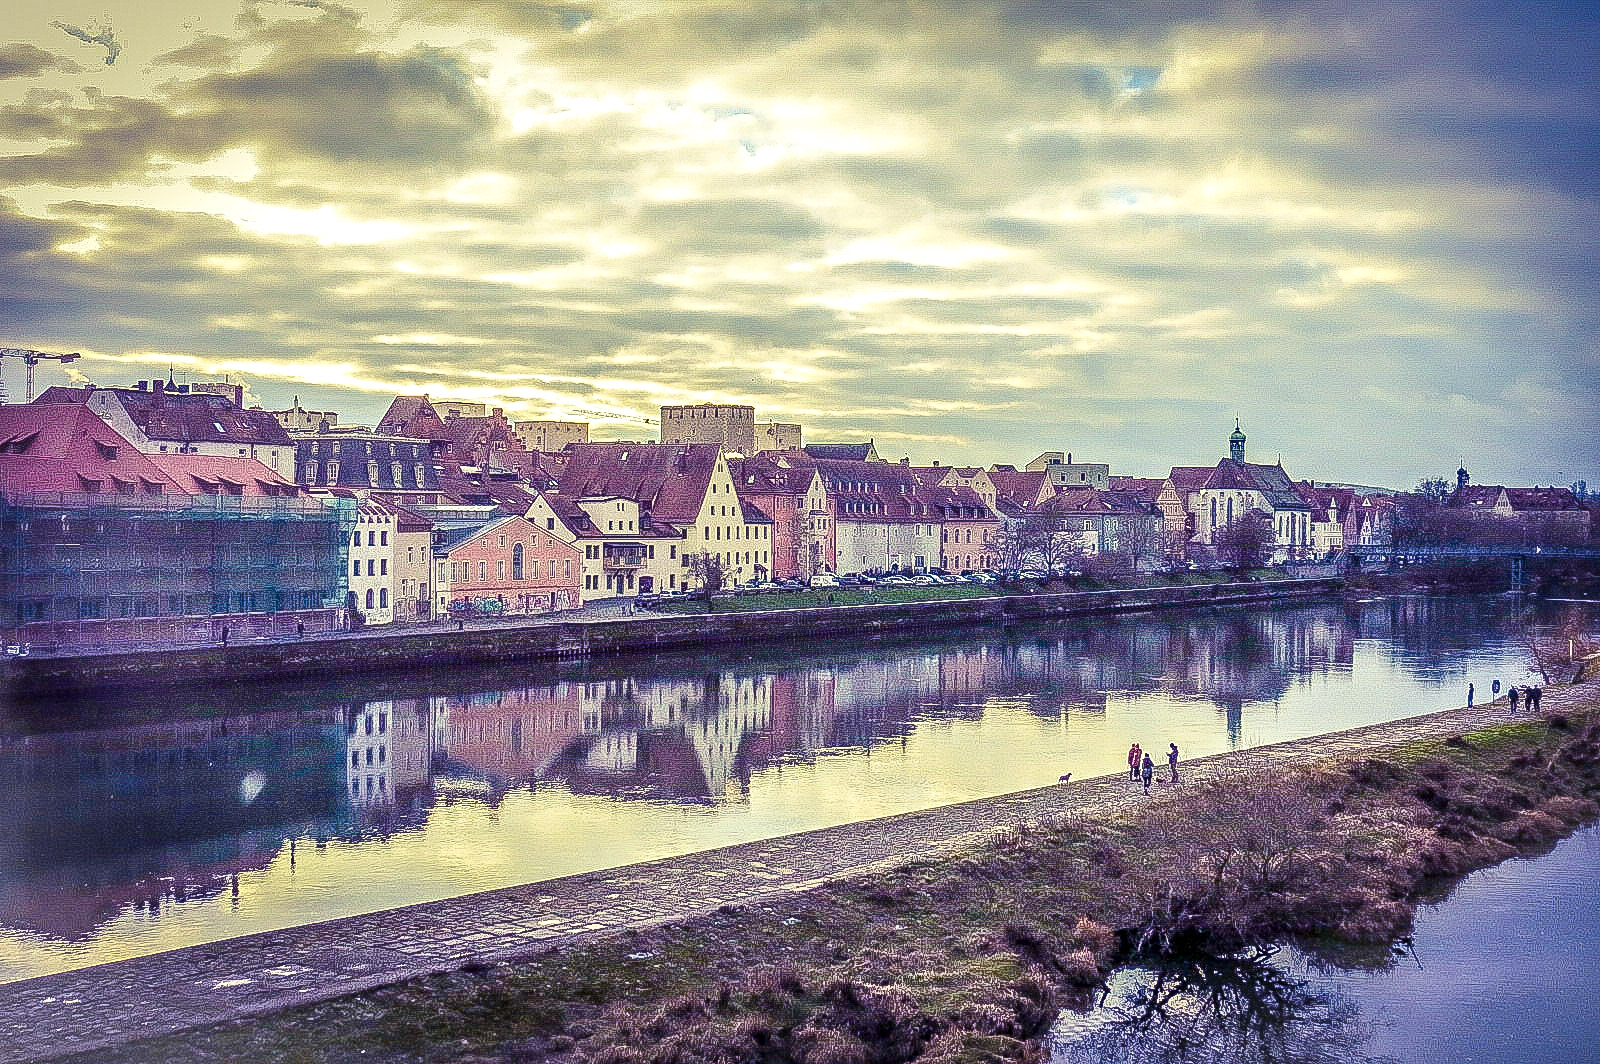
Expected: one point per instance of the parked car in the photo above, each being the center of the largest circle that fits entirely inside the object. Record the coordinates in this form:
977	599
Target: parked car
824	580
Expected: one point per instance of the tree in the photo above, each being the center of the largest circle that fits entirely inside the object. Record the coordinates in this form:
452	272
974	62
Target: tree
1436	489
1143	538
1244	543
706	570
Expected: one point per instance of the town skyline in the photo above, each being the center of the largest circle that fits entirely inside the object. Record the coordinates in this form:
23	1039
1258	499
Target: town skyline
969	232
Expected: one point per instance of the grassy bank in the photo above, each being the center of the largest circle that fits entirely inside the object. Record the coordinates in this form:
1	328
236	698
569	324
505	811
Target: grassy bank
860	596
969	958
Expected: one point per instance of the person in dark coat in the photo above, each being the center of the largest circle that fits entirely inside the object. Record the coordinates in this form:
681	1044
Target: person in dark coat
1512	694
1147	771
1469	696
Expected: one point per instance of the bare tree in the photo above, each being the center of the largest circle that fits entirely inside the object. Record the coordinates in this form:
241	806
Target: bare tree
1143	537
706	570
1244	543
1553	649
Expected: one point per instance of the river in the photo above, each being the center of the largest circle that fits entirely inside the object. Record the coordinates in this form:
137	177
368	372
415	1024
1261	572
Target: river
134	825
1502	971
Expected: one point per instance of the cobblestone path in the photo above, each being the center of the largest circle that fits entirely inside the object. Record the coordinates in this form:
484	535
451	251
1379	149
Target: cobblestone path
115	1003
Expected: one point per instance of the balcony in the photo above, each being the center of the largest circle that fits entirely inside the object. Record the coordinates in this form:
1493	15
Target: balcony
622	555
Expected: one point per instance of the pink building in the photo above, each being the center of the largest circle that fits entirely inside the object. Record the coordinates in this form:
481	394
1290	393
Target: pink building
507	566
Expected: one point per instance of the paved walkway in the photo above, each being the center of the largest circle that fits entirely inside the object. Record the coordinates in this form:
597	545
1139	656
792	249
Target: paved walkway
116	1003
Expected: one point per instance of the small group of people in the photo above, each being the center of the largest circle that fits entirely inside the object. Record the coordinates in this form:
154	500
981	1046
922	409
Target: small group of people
1141	767
1530	695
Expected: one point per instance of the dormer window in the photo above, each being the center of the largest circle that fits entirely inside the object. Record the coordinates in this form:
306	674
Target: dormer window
108	451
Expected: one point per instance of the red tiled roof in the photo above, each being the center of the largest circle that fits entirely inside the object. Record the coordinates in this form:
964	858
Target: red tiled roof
66	447
188	417
204	474
669	481
413	416
1543	500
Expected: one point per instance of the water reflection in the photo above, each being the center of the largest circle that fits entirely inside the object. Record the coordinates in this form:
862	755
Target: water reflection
274	807
1243	1009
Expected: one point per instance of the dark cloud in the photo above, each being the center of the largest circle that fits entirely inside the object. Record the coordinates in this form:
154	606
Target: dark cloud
420	108
103	139
19	60
208	51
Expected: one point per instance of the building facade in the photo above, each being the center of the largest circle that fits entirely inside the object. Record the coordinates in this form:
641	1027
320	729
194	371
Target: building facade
550	435
506	567
729	427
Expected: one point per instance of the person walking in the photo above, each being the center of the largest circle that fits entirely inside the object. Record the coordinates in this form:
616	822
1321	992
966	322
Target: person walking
1511	693
1147	770
1133	761
1535	696
1469	696
1172	760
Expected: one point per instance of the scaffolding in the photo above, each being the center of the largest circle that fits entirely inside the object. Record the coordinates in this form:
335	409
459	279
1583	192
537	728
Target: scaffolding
96	569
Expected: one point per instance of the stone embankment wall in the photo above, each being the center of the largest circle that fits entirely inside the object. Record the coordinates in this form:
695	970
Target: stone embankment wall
569	641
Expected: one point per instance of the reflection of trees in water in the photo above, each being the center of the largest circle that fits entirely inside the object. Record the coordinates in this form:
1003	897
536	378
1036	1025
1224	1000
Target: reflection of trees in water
1242	1009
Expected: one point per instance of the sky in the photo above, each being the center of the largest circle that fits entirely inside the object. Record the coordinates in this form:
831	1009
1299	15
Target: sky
970	231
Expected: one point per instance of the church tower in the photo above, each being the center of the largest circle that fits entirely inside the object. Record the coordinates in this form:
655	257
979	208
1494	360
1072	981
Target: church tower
1236	443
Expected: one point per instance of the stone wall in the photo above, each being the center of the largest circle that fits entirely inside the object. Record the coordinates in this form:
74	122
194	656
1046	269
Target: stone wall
578	640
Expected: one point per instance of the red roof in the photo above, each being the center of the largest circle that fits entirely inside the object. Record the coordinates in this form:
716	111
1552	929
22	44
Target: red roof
204	474
1543	500
413	416
669	481
188	417
66	447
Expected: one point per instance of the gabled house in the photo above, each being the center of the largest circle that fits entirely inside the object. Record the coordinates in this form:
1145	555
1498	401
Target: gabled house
685	491
624	555
507	566
163	417
795	500
967	523
883	518
1236	487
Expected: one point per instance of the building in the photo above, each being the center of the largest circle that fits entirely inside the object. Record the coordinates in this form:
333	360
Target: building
849	452
624	553
367	462
412	564
550	435
298	419
1017	494
1556	510
777	436
1063	473
507	566
1235	487
794	499
732	427
161	417
1110	522
683	491
884	518
967	521
449	408
101	545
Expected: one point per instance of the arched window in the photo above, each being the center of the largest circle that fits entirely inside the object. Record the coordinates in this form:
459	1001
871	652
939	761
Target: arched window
383	598
516	561
1230	510
369	598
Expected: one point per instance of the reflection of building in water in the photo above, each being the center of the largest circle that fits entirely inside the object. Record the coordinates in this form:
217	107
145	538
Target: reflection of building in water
388	750
95	821
676	738
510	737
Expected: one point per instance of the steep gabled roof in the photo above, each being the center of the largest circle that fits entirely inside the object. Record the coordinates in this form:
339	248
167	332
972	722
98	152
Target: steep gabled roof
66	447
413	416
1186	479
669	481
1016	492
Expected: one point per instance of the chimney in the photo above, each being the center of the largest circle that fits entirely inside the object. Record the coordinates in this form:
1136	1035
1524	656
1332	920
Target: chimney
497	412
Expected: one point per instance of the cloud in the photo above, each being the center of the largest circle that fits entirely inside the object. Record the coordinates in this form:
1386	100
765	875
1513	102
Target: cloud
967	227
22	60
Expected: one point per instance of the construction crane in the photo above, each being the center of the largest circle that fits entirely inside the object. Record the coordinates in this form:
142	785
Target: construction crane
30	358
604	415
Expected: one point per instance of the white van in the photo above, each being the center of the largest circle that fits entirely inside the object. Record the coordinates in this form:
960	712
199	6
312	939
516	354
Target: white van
824	580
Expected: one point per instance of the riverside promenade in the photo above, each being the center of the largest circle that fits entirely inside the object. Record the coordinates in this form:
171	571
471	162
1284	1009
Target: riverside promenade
106	1006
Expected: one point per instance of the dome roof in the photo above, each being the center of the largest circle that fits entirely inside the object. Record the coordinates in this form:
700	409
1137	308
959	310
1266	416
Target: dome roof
1236	436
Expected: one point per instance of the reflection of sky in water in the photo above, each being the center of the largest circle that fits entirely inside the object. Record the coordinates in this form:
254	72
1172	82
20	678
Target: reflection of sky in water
455	792
1502	971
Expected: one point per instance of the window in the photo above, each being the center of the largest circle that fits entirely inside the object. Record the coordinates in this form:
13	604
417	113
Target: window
383	539
516	562
372	538
369	598
383	598
483	570
355	567
383	566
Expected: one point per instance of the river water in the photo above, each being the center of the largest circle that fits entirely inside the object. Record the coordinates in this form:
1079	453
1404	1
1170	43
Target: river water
139	824
1505	970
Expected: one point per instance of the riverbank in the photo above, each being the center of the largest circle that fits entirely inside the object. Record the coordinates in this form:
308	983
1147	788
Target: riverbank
889	941
37	677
